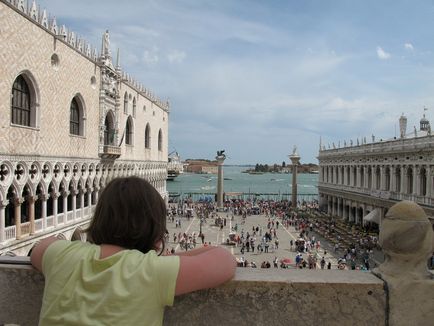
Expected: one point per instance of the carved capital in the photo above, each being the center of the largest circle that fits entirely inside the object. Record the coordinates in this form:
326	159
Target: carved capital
18	201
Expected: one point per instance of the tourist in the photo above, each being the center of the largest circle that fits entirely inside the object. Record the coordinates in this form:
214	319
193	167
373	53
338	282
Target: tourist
126	232
322	263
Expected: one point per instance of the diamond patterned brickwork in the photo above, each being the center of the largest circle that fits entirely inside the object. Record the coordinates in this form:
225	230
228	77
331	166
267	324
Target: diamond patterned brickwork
27	47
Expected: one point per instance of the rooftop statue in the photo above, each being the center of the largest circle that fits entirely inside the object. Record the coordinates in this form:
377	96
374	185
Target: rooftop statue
106	43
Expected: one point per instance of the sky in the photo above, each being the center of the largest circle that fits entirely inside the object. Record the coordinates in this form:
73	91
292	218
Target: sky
257	77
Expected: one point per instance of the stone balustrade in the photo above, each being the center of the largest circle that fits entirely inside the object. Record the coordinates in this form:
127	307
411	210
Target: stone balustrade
254	297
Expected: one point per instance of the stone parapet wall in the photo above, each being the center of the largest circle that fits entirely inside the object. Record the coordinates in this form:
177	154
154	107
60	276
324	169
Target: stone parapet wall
254	297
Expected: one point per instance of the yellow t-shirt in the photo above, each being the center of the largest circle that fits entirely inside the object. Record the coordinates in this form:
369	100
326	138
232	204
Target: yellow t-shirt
127	288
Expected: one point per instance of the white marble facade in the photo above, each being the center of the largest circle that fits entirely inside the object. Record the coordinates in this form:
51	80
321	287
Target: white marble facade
357	179
71	120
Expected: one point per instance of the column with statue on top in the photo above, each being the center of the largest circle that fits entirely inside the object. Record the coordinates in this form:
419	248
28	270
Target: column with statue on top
220	160
295	160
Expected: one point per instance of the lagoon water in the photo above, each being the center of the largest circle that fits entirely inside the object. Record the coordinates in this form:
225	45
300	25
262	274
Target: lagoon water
236	181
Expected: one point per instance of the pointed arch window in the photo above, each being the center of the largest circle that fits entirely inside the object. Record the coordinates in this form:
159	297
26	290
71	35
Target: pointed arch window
21	102
160	140
129	132
109	130
74	118
148	136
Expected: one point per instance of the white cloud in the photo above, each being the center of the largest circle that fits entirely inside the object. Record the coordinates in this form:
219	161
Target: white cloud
151	56
383	55
176	56
409	46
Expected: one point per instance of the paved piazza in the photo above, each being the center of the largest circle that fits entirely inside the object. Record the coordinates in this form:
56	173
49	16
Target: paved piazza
216	236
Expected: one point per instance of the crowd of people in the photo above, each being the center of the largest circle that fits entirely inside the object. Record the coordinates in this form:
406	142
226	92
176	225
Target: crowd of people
307	221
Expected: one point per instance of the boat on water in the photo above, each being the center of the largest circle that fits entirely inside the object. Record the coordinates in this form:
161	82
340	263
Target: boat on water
171	175
174	166
255	172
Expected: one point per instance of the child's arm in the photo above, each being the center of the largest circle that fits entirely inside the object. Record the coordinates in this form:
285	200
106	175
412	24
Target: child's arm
204	268
38	252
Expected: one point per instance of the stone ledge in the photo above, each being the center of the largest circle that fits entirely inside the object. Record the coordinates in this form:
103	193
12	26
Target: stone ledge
254	297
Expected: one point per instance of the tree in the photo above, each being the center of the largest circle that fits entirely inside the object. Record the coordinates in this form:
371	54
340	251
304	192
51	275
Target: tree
283	164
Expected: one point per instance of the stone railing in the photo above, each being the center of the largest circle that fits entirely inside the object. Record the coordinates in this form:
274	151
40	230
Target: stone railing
254	297
399	292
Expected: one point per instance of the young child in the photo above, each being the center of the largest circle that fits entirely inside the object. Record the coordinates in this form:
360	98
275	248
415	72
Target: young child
118	278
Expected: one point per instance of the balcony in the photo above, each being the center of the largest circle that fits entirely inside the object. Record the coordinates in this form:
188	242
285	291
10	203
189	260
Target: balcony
110	152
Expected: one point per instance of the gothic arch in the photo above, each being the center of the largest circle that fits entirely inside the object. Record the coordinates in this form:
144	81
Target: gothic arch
109	128
34	94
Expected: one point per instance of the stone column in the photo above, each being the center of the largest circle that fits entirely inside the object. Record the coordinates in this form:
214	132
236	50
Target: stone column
220	160
96	195
416	178
382	178
295	159
428	182
55	207
358	176
74	201
403	180
344	182
31	202
17	214
3	205
89	198
392	179
82	193
44	198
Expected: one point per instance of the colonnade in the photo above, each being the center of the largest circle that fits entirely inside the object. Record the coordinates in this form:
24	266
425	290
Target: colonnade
40	196
410	179
349	210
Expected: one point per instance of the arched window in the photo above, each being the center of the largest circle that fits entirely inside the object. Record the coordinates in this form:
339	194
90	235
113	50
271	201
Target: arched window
387	179
21	102
377	178
362	177
74	118
398	179
409	180
109	131
148	136
160	140
134	107
422	182
126	103
129	131
369	178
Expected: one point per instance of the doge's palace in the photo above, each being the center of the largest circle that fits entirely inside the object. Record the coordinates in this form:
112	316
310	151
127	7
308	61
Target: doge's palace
71	120
361	180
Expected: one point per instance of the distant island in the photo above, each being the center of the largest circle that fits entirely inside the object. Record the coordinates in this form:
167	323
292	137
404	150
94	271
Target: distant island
282	168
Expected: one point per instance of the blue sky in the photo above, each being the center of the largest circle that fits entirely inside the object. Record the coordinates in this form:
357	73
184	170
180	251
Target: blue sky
258	77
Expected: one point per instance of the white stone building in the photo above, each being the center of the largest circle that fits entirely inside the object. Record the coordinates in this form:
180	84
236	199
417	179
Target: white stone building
70	121
361	181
